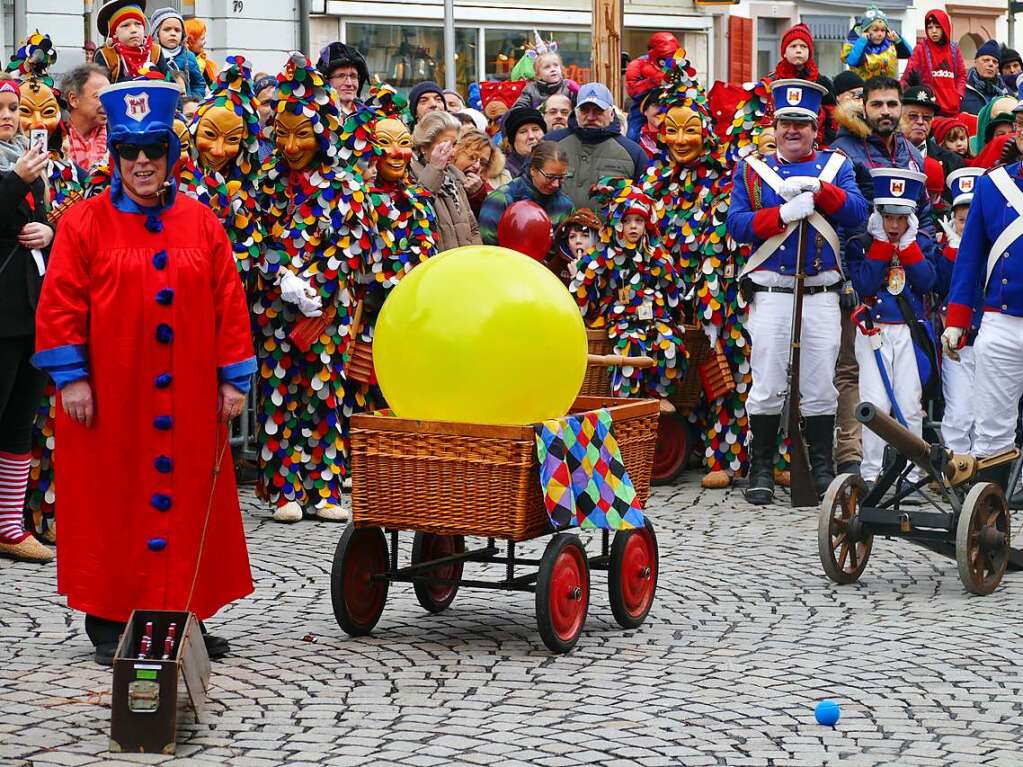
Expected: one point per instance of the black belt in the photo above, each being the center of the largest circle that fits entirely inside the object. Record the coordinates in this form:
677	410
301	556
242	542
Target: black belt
810	290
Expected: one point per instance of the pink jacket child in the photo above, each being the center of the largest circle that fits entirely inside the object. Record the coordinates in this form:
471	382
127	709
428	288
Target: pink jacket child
938	63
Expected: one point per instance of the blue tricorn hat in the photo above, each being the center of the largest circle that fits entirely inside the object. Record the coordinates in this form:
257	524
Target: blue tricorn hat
896	190
141	112
797	99
961	184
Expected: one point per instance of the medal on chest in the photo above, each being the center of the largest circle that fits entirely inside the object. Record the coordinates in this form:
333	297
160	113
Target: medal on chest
896	279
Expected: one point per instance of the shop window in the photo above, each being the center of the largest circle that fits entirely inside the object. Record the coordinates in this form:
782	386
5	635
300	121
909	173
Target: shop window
404	55
504	48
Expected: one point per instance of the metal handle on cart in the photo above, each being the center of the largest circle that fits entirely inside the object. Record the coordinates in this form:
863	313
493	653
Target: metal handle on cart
617	360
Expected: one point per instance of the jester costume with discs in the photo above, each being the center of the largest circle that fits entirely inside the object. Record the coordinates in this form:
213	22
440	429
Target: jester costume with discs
634	292
691	186
225	163
316	218
403	224
65	185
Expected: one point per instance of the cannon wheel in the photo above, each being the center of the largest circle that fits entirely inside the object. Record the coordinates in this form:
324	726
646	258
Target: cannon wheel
436	597
983	538
843	559
562	592
632	575
357	596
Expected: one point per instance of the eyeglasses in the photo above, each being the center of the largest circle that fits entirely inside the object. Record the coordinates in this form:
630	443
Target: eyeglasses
550	177
345	77
917	117
131	152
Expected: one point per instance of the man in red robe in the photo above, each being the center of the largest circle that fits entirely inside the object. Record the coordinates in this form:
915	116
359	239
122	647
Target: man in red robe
143	325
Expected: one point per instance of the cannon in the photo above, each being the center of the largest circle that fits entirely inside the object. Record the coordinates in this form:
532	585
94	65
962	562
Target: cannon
974	528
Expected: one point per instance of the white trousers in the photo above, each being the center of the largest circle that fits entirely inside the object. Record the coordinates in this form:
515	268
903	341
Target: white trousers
957	379
770	329
900	364
998	385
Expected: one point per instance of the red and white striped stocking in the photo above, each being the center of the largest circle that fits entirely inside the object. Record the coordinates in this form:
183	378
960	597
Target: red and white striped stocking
13	484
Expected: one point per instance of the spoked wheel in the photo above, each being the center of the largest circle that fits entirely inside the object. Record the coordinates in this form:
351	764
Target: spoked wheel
843	546
674	444
358	597
632	575
436	597
562	592
983	538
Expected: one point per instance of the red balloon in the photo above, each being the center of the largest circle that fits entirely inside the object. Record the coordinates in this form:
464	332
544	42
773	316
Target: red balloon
526	227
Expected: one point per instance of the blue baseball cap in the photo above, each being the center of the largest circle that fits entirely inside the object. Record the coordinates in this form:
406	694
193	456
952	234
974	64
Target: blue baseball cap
595	93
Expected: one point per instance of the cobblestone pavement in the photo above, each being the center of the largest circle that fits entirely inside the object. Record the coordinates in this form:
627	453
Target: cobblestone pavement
746	634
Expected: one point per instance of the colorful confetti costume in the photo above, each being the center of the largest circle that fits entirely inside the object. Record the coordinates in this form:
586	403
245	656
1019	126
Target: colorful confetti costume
403	237
633	291
65	185
692	203
231	194
318	225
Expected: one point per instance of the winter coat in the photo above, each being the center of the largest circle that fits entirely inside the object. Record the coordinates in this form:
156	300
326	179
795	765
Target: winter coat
980	92
868	60
594	153
940	67
186	62
456	225
537	92
557	206
20	281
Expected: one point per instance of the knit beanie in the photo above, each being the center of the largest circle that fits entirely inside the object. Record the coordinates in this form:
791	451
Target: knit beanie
1008	55
128	13
418	91
942	126
990	48
798	32
161	15
517	118
847	81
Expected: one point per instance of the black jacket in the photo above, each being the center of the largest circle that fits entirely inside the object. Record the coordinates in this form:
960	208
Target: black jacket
20	281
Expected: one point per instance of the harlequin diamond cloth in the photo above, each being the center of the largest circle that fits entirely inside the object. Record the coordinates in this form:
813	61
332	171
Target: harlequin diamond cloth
582	475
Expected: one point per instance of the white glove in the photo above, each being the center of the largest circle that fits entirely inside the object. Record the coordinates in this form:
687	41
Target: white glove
297	291
950	341
875	227
909	237
798	208
795	185
951	235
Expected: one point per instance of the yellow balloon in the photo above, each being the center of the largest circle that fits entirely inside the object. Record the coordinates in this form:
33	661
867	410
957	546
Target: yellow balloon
480	334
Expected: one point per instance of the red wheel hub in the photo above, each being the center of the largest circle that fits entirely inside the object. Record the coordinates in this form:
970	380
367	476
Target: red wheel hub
672	447
639	568
569	594
436	547
364	595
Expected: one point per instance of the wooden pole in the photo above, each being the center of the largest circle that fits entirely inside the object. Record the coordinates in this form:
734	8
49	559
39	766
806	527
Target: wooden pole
608	20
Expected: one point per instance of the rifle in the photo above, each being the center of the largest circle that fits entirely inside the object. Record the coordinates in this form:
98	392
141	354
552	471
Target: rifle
802	489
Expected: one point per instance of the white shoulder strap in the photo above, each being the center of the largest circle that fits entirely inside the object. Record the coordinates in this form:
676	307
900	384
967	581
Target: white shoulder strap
1014	197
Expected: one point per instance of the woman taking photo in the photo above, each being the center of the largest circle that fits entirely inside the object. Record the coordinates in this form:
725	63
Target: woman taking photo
24	238
434	137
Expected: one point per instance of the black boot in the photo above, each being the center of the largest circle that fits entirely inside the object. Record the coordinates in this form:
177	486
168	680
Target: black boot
819	433
999	475
760	481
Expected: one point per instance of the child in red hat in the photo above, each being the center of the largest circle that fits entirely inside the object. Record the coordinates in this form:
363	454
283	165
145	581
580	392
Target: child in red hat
797	62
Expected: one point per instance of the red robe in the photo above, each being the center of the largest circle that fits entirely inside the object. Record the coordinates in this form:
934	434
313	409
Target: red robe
136	494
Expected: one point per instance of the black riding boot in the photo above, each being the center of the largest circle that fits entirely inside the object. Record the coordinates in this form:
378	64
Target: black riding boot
819	433
760	482
999	475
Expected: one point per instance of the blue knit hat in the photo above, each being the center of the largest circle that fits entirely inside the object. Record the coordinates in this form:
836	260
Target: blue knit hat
990	48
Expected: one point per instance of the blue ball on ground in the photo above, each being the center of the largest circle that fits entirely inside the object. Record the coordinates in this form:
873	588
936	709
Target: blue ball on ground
827	713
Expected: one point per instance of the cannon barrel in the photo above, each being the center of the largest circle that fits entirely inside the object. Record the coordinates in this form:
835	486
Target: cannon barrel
895	434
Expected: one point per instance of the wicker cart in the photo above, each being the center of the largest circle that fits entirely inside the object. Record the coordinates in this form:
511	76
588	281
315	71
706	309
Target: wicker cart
448	481
675	437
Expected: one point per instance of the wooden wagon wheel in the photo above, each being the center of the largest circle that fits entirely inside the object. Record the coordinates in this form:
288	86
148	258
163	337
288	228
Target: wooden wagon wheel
632	575
436	597
357	596
562	592
983	536
843	546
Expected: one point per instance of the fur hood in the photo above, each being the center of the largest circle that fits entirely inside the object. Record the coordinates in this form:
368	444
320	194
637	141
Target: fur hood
848	116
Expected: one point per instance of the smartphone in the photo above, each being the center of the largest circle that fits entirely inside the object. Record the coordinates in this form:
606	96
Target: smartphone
39	137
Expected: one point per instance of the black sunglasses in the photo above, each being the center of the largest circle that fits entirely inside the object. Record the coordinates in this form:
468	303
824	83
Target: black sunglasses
131	152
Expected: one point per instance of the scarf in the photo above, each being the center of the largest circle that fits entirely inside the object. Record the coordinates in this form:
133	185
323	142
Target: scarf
786	71
134	58
172	53
11	151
